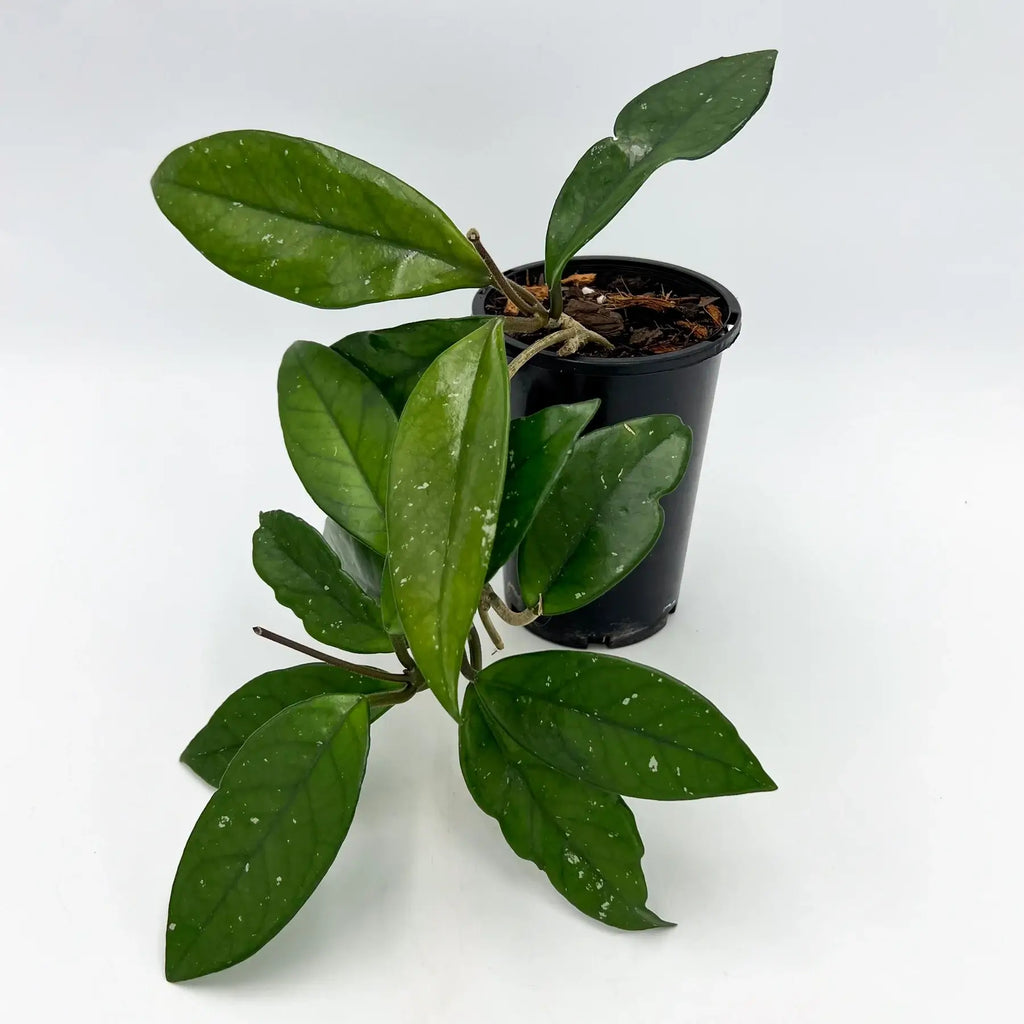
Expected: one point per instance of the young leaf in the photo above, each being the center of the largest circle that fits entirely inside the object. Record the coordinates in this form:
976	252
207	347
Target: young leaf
363	564
338	429
620	726
583	838
603	515
538	448
685	117
259	700
395	358
447	472
310	223
306	576
268	835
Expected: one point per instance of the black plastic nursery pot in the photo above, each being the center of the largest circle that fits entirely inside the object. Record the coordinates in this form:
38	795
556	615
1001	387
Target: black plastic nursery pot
681	382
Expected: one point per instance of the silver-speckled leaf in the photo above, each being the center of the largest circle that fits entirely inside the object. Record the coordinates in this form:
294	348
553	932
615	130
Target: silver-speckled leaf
583	838
310	223
685	117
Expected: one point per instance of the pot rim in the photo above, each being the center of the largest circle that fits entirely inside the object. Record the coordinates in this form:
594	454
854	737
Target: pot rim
689	356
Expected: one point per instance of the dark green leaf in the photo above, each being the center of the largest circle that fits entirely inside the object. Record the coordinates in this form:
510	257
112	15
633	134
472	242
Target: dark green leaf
363	564
310	223
538	448
583	838
603	515
254	704
685	117
447	473
338	429
620	726
306	576
268	835
395	358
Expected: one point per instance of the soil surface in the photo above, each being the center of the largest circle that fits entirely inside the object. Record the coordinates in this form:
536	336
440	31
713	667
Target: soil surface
638	316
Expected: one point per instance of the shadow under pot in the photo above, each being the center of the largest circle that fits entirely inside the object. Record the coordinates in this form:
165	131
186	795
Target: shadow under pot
681	381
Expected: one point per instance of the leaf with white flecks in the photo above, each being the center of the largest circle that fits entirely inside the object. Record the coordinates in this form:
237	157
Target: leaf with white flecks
583	838
268	834
619	726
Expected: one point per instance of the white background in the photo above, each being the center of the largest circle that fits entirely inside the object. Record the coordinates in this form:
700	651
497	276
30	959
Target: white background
853	593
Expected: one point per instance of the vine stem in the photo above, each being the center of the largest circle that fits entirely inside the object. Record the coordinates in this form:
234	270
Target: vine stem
522	324
571	336
516	294
329	659
491	629
388	699
502	610
475	653
548	341
402	651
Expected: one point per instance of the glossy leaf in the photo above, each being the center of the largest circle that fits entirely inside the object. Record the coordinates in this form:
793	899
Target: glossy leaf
395	358
363	564
619	725
310	223
259	700
268	835
306	576
538	448
685	117
338	429
603	515
447	473
583	838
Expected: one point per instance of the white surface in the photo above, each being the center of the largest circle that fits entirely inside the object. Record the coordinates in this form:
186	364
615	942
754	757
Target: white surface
853	594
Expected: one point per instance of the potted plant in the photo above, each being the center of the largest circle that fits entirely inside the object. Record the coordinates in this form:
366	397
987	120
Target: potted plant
404	438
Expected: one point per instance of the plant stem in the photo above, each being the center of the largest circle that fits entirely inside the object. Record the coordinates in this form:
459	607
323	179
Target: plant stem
395	696
502	610
555	300
402	650
548	341
492	630
571	335
329	659
475	654
523	325
516	294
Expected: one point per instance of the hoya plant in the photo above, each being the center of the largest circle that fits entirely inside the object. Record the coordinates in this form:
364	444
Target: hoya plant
403	439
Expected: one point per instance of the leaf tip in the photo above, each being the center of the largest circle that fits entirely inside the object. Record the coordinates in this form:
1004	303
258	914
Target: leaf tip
660	922
173	967
452	710
761	781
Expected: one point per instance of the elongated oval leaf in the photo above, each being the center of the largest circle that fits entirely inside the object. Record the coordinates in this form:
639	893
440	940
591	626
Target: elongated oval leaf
256	702
268	835
310	223
338	429
395	358
306	576
603	515
583	838
620	726
363	564
538	448
685	117
447	473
